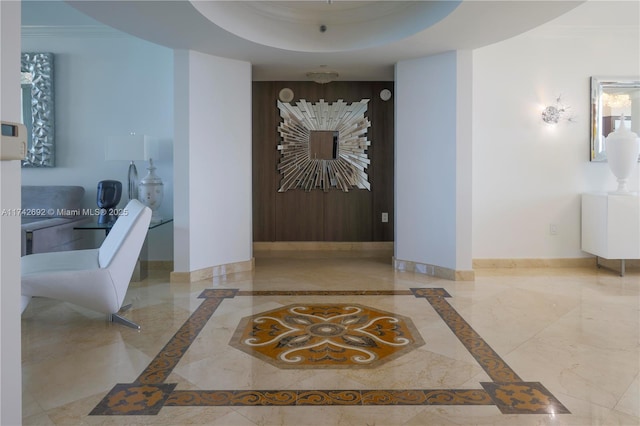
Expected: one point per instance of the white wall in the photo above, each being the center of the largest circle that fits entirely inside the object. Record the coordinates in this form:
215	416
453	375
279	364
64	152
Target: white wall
433	159
528	175
10	362
464	159
212	161
107	84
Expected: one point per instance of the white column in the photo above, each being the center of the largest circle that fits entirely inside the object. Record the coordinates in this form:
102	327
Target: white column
433	164
464	160
212	162
10	363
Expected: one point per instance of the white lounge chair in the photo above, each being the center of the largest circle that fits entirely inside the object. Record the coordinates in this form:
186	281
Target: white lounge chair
97	279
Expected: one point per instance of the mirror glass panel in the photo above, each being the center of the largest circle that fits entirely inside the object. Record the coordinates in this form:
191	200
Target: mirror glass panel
37	108
324	145
612	98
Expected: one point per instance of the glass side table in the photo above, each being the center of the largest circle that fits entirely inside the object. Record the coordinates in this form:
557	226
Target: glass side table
141	270
94	225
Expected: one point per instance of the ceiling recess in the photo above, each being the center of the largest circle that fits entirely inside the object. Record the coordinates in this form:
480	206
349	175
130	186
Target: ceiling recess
293	25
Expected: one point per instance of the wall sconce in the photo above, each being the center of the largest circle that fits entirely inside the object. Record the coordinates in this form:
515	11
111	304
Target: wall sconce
552	114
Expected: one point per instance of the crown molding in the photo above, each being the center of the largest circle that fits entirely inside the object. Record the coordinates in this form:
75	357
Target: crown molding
581	31
70	31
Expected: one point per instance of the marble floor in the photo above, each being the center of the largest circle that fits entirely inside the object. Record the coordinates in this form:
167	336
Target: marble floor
540	346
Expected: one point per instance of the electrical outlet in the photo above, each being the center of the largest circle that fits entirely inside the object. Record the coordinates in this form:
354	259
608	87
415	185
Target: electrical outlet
553	229
385	217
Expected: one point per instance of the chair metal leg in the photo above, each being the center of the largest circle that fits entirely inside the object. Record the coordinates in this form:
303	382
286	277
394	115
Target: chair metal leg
124	321
117	318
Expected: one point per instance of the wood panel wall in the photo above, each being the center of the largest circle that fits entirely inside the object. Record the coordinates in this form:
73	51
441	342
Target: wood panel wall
296	215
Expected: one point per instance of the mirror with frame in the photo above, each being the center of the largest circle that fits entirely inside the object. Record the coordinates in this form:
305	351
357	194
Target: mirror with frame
324	145
612	98
38	108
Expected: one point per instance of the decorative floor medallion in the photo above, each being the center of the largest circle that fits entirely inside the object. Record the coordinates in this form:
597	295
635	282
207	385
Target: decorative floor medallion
326	336
148	394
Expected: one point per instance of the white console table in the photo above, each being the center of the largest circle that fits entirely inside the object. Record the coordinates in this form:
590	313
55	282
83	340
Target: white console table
611	226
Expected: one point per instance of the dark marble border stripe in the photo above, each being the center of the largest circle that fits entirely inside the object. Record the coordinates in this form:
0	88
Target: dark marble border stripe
169	356
184	398
487	358
326	293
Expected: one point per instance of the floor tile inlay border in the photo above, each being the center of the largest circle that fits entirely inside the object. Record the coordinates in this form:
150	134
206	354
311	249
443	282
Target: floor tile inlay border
148	394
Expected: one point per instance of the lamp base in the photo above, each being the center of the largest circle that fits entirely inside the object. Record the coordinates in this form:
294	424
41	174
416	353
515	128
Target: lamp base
133	181
623	191
151	191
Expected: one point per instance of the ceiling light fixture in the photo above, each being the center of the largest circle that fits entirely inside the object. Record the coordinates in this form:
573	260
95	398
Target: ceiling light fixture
619	100
322	77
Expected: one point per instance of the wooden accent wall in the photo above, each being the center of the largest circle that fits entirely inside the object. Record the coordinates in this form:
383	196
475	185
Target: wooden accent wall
296	215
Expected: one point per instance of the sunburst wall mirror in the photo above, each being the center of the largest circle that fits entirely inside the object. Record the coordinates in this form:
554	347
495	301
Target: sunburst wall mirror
324	145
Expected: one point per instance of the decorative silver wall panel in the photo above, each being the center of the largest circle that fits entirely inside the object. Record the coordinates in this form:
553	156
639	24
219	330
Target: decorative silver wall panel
41	149
346	167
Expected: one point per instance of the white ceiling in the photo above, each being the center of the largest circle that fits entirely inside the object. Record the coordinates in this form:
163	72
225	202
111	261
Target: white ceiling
283	40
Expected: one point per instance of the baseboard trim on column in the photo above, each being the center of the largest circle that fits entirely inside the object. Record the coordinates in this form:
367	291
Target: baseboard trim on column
157	265
433	270
212	271
577	262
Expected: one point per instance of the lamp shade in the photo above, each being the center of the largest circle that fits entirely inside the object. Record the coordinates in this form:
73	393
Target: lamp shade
132	147
151	148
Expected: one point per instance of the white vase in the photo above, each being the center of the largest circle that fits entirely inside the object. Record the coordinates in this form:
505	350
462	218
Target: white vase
622	154
151	192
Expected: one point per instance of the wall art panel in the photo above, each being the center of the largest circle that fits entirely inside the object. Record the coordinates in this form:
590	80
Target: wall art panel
324	145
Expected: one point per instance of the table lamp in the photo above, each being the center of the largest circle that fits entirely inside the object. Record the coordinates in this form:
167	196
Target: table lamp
129	148
151	188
